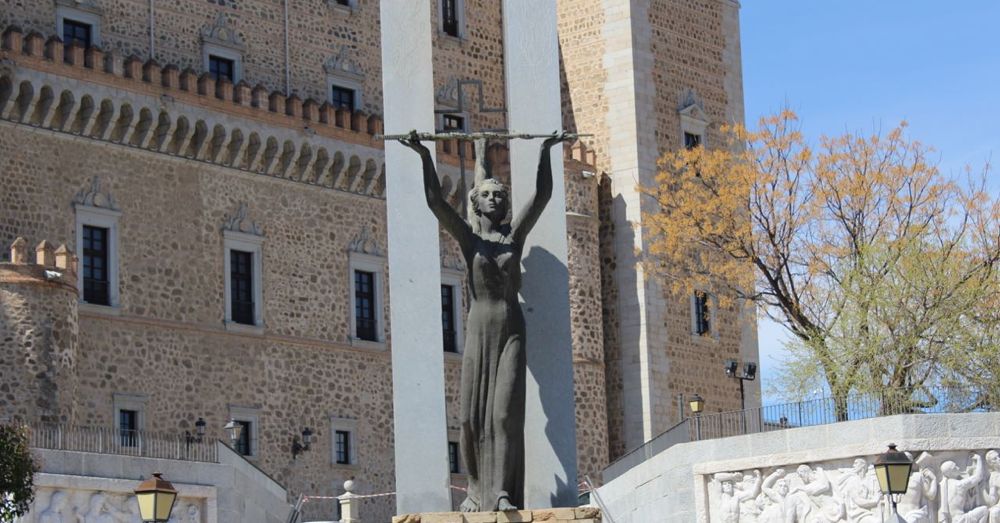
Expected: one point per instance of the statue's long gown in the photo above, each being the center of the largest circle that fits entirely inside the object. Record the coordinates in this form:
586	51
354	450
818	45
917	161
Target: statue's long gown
493	376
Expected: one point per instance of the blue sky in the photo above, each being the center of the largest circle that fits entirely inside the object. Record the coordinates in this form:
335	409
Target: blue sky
851	65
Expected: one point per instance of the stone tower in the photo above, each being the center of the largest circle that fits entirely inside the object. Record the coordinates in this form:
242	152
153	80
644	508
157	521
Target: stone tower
38	345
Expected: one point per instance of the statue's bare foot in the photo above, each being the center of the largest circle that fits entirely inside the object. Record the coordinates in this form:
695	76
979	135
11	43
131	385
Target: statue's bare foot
504	504
469	505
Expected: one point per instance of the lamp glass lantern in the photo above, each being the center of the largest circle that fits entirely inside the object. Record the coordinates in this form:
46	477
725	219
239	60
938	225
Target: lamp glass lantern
892	468
156	497
307	436
234	430
696	404
199	427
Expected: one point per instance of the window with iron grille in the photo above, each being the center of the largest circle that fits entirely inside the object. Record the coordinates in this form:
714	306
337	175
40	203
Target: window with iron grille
95	265
342	97
221	67
453	463
243	446
449	17
241	286
78	32
702	314
448	317
128	427
364	305
342	442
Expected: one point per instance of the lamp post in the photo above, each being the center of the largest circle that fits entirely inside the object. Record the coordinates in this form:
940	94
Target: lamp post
156	497
696	404
893	468
749	374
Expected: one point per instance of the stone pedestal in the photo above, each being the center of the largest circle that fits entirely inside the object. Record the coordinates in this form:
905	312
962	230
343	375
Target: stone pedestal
549	515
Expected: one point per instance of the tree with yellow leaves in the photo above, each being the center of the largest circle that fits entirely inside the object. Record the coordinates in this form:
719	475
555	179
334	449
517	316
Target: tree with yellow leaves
886	273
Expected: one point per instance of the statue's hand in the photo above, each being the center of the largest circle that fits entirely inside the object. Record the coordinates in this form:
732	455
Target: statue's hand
413	142
557	137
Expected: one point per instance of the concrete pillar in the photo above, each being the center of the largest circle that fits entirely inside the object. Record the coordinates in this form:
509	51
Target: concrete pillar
531	52
419	421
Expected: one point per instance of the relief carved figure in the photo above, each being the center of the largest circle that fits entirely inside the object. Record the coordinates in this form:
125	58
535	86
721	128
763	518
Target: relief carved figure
775	505
816	495
494	363
860	492
732	497
921	492
991	487
56	511
958	492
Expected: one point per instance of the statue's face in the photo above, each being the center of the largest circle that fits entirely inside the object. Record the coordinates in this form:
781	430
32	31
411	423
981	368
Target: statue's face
860	466
993	460
782	486
805	473
950	470
492	200
727	487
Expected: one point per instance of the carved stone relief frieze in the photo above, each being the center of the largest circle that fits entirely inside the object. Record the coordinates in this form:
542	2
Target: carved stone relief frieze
945	487
88	506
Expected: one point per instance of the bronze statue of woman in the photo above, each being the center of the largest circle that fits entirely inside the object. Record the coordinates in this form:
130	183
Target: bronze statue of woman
494	365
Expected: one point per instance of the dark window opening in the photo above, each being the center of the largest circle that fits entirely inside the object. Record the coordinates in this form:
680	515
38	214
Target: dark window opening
691	140
448	317
78	32
701	313
453	463
342	443
128	427
342	97
344	2
453	122
243	442
449	17
364	305
241	286
221	68
96	282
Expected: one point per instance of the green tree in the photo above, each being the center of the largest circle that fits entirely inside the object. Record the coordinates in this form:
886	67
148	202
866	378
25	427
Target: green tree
17	471
884	271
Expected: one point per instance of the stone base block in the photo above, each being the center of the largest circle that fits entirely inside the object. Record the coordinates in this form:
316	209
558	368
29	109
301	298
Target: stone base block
548	515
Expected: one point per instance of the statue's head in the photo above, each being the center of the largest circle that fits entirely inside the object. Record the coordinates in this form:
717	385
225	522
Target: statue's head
781	486
727	487
993	460
488	197
860	465
950	470
805	473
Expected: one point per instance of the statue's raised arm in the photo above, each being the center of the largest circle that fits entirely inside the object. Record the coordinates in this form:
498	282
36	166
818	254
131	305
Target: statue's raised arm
449	219
530	213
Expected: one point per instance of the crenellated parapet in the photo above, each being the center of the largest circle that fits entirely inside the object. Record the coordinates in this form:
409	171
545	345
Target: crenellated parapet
159	108
38	316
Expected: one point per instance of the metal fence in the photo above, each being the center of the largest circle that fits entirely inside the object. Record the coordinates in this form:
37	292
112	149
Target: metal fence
108	440
820	411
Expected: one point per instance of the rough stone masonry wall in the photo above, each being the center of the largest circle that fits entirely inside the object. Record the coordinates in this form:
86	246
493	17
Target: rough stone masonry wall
168	343
689	47
38	343
318	31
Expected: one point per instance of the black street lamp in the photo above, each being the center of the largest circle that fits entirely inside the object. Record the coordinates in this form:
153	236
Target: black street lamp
298	448
156	497
198	436
893	468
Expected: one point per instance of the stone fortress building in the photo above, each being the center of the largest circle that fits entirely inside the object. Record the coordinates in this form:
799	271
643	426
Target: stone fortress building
200	185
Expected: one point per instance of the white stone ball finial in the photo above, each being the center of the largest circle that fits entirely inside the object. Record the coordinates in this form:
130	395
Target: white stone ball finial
349	486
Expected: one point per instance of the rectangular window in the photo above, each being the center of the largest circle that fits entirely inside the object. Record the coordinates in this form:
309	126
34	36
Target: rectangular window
78	32
453	463
448	317
449	17
702	314
453	122
128	427
344	2
221	67
691	140
243	446
342	442
241	286
342	97
364	305
95	265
